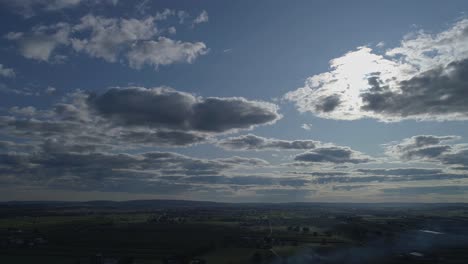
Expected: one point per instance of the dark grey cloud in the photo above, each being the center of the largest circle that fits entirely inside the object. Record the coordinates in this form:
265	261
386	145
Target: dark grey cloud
349	179
253	142
428	140
388	178
459	157
82	142
341	167
427	152
431	148
332	155
320	173
285	195
11	160
436	92
295	182
400	171
244	161
32	127
136	106
380	175
8	146
417	190
421	147
328	104
460	168
167	108
162	138
59	166
130	118
75	112
38	132
348	187
53	145
223	114
250	180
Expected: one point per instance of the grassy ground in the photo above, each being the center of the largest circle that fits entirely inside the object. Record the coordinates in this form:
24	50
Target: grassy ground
116	235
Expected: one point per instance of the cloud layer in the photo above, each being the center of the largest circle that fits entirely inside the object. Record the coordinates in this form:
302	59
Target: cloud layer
136	117
83	142
163	142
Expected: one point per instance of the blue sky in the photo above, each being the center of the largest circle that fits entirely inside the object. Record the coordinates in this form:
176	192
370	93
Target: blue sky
247	100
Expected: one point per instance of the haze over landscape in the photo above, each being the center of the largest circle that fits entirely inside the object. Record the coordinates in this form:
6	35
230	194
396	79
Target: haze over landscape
234	101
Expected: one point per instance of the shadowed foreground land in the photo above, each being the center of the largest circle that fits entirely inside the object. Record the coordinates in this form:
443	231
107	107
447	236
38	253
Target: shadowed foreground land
205	232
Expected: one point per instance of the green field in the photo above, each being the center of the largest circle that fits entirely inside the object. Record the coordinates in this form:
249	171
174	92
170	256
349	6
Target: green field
75	238
218	235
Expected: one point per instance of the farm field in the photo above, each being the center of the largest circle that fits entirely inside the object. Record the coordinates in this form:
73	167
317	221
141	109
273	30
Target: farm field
230	233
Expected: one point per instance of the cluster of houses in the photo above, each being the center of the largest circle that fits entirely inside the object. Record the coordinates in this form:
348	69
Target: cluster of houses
264	242
166	219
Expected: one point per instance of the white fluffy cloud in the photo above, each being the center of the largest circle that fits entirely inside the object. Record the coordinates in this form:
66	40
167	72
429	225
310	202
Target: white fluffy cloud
6	72
201	18
110	39
421	79
164	51
306	126
110	36
41	41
